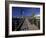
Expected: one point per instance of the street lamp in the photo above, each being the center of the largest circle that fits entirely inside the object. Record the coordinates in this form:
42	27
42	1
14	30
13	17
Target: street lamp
22	12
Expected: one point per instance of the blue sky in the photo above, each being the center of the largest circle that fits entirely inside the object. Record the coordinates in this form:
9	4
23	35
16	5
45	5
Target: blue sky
25	11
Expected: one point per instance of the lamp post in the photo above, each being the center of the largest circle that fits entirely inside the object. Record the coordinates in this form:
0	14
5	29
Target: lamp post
22	12
33	18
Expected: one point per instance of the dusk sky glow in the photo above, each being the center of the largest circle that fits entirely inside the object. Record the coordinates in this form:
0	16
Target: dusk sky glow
25	11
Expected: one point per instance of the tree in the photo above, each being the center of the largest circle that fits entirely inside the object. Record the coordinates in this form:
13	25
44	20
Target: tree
33	18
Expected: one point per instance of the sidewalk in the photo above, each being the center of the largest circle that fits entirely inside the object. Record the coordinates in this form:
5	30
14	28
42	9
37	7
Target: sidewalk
28	26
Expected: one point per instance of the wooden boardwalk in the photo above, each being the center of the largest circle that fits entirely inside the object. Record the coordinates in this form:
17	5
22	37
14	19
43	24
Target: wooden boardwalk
28	26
